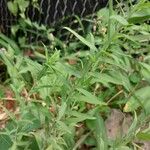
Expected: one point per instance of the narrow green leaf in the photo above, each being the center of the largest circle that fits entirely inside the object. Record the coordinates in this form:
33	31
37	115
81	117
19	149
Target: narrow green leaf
100	132
89	98
133	126
83	40
62	110
82	116
120	19
13	8
9	43
140	98
143	136
140	16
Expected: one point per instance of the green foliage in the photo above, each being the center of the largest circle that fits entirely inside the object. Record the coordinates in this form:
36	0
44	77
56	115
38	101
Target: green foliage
68	93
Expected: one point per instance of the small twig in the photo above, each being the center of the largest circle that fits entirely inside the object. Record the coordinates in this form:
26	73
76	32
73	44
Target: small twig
81	140
26	95
112	98
133	90
8	99
137	146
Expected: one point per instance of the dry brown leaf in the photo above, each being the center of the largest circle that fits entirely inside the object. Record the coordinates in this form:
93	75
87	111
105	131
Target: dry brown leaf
3	116
117	124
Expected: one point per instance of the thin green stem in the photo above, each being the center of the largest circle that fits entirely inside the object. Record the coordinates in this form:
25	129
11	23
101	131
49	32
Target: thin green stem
110	22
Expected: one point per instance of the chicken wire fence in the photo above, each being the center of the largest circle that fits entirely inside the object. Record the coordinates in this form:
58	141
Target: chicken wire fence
51	12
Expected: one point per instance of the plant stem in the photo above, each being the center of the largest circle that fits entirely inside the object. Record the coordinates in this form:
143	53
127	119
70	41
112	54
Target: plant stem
110	22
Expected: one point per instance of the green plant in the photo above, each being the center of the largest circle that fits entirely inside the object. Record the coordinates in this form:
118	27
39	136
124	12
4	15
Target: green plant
63	100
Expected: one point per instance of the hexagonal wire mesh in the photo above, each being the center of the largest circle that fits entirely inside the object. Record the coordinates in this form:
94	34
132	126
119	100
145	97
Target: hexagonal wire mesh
51	11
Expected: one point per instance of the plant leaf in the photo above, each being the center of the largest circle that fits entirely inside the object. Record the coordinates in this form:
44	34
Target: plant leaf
140	98
120	19
83	40
89	98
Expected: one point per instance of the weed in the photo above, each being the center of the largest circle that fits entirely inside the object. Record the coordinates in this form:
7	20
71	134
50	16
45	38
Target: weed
62	98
